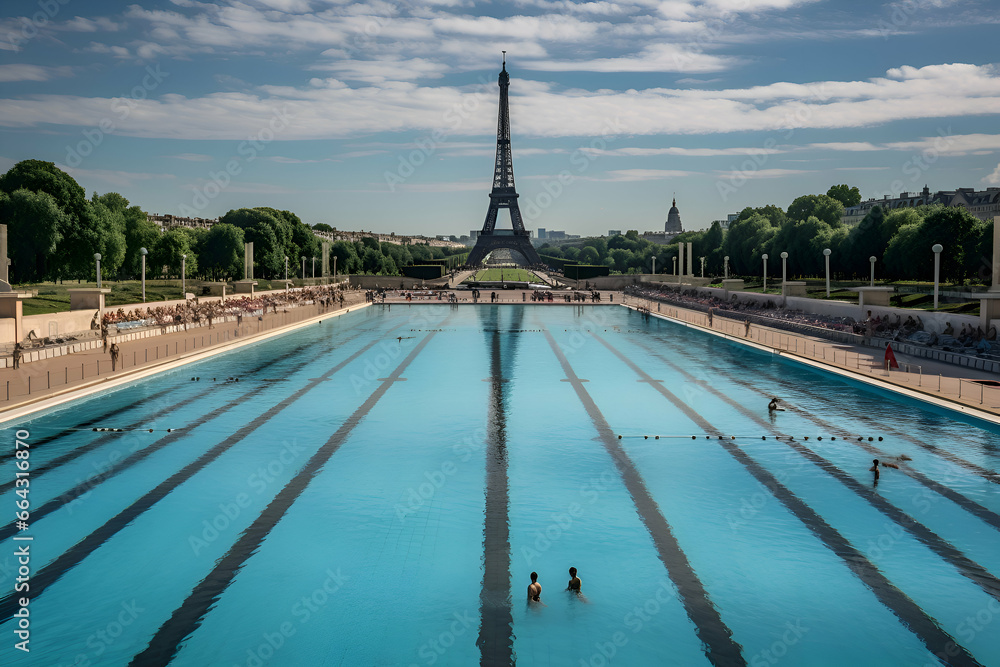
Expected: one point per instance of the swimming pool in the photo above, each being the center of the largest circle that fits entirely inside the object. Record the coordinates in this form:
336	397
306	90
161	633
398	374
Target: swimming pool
377	488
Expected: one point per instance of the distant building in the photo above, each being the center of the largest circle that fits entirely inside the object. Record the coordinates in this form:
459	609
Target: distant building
167	222
673	224
984	204
614	232
671	228
541	233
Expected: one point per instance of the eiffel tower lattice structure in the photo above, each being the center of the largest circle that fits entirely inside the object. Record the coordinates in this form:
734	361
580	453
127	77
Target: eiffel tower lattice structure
503	196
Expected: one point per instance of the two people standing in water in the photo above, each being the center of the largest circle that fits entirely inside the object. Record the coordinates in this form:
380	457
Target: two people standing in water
535	588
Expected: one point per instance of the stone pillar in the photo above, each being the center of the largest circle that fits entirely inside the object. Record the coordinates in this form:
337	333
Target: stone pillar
690	259
995	287
325	272
5	263
248	261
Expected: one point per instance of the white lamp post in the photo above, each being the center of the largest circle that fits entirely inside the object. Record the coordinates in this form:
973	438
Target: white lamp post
872	260
675	264
764	257
784	266
725	266
334	269
937	248
654	265
702	267
286	273
314	267
184	276
303	267
143	252
97	258
826	254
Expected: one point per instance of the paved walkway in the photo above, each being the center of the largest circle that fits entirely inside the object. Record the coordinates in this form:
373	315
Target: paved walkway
37	381
946	384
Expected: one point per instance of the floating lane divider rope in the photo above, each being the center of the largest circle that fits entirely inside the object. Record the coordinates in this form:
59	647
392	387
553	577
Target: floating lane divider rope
744	437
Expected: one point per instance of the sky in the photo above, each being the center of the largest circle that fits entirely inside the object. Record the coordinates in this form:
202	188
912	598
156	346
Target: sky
382	115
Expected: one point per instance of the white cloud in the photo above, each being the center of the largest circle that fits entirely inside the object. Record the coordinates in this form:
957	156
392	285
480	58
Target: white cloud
625	175
114	178
994	178
192	157
10	73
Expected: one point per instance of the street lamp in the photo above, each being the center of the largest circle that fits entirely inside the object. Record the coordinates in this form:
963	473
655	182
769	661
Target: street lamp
314	267
286	273
654	265
725	266
826	254
702	267
937	248
784	265
675	264
303	267
872	260
334	269
764	257
97	258
143	252
183	276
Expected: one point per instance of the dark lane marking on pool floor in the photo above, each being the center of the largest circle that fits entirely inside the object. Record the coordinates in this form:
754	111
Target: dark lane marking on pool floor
93	481
979	511
81	425
101	440
720	647
987	474
51	573
163	646
495	641
970	569
901	605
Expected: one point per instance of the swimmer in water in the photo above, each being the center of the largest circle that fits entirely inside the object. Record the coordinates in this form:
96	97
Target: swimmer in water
574	581
874	469
534	589
773	406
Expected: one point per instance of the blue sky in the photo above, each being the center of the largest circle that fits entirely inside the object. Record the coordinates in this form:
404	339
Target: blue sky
382	115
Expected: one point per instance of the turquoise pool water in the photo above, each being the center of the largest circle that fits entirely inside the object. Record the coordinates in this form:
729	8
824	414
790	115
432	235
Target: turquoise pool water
376	490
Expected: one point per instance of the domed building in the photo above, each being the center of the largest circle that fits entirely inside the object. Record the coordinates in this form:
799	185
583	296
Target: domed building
673	225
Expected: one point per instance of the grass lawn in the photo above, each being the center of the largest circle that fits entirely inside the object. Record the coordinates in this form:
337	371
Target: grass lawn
496	275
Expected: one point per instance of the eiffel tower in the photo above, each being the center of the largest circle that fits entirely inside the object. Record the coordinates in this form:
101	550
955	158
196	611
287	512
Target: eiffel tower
503	195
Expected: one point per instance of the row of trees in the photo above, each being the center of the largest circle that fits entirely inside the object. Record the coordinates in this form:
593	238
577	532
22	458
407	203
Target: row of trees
900	240
54	232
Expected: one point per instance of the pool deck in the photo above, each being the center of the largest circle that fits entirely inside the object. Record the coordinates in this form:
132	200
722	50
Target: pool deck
65	378
945	385
42	384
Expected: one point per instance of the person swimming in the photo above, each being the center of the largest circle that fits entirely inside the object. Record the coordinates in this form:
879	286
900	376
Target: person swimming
773	406
574	581
874	469
534	589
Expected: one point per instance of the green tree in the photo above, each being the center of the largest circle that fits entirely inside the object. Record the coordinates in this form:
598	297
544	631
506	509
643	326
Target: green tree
221	255
110	226
33	222
323	227
165	257
74	254
825	208
845	194
746	241
589	255
139	233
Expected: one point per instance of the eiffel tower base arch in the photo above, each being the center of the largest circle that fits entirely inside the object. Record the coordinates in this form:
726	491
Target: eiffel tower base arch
487	243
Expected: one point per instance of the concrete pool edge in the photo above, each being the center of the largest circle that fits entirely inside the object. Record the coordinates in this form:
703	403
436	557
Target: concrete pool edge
937	401
82	391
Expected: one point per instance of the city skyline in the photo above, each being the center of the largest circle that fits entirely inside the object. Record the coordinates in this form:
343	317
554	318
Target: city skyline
383	116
